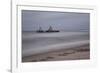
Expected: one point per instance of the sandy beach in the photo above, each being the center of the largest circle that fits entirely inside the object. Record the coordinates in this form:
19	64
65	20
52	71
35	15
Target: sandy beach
76	53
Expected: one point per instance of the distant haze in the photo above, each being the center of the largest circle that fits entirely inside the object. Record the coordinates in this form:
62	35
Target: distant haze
63	21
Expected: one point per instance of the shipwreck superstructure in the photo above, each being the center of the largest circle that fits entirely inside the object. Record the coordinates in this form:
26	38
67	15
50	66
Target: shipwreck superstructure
50	29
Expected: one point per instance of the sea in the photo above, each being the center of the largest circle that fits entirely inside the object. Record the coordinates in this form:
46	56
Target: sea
35	43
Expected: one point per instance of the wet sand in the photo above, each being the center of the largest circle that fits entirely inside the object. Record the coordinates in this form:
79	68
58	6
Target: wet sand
76	53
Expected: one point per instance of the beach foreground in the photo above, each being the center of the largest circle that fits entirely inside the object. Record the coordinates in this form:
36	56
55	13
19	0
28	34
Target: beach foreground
36	43
76	53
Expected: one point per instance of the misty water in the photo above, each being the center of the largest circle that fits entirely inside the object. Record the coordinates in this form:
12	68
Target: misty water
35	43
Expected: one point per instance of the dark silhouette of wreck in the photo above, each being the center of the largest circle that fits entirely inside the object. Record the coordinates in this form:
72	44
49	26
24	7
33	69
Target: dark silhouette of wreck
49	30
40	29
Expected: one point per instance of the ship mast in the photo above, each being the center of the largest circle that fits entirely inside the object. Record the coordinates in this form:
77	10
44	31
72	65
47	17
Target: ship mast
50	29
40	29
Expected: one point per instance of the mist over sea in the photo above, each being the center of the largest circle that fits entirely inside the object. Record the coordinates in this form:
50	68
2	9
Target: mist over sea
35	43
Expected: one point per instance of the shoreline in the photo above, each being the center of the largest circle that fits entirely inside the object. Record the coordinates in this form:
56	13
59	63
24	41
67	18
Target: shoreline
76	53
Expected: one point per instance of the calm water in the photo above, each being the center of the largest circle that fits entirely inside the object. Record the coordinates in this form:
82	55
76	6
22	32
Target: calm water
34	43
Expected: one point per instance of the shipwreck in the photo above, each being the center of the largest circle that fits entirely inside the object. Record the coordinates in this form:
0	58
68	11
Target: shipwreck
50	29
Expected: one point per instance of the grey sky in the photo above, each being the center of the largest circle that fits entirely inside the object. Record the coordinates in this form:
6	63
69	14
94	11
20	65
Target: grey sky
63	21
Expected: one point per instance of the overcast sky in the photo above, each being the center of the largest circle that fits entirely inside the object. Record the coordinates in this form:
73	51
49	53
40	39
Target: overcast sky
63	21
